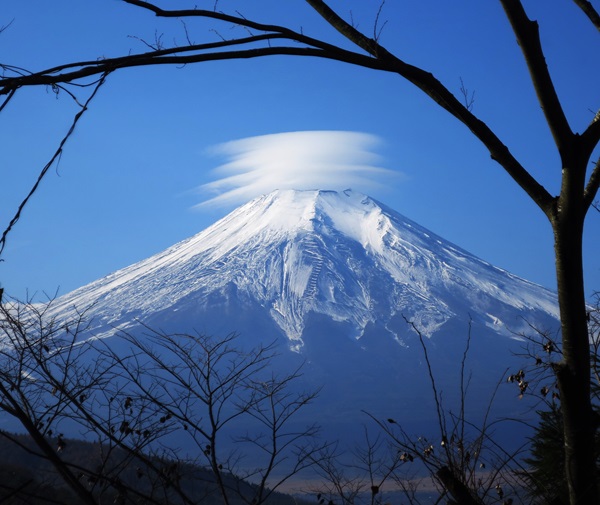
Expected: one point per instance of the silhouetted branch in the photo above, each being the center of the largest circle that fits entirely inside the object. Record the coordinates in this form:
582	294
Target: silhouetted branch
589	11
591	189
378	58
528	37
57	154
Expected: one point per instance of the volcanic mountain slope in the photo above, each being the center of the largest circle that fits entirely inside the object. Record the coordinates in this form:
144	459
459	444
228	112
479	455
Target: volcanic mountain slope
335	277
340	255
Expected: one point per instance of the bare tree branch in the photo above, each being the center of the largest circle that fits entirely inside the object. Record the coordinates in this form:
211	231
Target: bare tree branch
83	69
593	184
468	98
590	137
57	154
443	97
589	11
6	26
378	30
527	33
379	59
130	400
7	99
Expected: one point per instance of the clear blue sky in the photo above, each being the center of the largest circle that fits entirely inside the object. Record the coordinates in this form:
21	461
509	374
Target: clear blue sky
125	186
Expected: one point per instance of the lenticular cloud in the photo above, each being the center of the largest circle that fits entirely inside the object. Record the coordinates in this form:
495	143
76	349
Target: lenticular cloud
333	160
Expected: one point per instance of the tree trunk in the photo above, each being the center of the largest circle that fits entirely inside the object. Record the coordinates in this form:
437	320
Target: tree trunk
573	372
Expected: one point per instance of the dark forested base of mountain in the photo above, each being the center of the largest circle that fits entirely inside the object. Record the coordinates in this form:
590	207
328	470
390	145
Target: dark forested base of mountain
21	486
27	478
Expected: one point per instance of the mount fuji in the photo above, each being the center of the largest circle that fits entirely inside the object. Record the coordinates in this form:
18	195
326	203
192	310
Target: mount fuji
341	282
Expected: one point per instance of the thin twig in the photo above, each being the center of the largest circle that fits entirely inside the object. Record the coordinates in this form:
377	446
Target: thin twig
57	154
7	99
377	30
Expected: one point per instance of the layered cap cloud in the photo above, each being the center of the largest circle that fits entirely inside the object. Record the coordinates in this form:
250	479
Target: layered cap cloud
295	160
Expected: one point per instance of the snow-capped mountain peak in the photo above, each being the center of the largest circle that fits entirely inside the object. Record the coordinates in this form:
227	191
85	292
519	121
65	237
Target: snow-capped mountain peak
294	255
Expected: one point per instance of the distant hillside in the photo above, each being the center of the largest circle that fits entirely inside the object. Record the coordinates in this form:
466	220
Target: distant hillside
28	479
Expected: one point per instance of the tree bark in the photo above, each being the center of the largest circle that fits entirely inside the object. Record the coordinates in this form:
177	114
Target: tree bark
573	372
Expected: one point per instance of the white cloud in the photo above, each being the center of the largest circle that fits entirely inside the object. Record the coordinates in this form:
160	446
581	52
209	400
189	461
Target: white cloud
296	160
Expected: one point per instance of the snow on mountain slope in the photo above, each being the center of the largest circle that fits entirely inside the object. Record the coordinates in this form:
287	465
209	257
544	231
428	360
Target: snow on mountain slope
295	253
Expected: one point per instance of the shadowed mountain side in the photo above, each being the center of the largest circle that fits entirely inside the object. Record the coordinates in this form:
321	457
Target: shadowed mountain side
333	278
